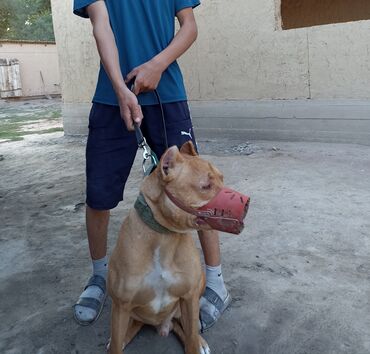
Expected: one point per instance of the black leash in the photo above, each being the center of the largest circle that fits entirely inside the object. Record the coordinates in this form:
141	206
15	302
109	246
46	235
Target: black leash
163	121
148	154
139	135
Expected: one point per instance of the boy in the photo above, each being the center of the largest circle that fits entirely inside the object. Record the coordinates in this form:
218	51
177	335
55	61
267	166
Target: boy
136	41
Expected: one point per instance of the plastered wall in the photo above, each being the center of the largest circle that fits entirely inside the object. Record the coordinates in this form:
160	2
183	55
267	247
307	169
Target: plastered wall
39	68
245	76
241	54
78	57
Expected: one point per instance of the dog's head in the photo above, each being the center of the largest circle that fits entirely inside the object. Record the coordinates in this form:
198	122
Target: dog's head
191	194
201	180
191	180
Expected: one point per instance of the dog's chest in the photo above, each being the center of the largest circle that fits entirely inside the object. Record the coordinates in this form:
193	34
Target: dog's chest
160	279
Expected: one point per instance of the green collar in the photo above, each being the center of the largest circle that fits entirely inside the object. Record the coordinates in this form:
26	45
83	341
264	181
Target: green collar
146	215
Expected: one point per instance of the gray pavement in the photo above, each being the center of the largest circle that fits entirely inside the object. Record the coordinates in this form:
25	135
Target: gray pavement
299	274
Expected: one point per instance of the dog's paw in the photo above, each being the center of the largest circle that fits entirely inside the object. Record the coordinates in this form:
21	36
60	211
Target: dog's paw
204	348
107	346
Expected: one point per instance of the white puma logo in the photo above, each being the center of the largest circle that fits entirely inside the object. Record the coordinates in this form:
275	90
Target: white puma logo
188	134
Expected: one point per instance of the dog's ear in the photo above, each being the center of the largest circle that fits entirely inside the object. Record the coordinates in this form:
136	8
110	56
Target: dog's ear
170	161
188	148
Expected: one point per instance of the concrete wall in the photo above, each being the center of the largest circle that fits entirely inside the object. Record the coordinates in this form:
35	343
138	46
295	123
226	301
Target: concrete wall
39	67
241	55
78	57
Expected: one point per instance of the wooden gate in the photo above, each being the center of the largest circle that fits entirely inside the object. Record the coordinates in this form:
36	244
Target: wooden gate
10	78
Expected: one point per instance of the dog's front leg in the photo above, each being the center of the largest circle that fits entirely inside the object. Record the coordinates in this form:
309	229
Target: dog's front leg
119	326
194	343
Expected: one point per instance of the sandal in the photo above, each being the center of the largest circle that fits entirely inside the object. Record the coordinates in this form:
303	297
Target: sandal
91	302
211	308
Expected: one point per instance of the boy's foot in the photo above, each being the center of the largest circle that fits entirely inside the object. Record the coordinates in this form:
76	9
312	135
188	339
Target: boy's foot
90	304
212	307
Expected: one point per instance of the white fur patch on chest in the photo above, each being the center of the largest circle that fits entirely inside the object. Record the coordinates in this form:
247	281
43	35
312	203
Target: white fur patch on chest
159	279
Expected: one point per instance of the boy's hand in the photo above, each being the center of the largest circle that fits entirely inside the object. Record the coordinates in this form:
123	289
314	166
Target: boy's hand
129	108
147	76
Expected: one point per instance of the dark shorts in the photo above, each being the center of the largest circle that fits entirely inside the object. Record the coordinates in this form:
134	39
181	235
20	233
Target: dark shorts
111	149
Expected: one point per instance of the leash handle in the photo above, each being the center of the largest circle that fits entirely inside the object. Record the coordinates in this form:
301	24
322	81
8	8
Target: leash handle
139	135
148	154
150	160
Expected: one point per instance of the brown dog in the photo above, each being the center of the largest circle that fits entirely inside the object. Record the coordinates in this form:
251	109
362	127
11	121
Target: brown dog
155	274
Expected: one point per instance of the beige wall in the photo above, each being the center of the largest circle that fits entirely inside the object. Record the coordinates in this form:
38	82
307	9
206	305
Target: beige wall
244	75
78	58
240	54
39	66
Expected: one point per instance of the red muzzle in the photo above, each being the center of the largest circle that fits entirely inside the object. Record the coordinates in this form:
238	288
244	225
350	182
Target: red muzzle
225	212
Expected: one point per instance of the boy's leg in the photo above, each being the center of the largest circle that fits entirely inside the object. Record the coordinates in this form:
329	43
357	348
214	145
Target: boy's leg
210	243
97	233
216	298
110	153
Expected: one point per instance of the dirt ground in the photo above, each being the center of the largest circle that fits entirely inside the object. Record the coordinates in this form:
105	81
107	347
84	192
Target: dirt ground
299	273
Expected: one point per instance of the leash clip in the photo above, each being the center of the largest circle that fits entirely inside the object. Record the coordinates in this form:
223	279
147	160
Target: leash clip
146	152
150	160
149	156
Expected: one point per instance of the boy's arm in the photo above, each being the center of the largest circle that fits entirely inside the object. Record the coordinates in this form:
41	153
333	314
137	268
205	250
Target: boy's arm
149	74
107	48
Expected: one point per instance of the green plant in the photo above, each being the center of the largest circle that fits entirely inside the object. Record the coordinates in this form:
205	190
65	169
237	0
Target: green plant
26	20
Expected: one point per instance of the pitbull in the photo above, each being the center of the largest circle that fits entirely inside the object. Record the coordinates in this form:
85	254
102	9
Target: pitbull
155	275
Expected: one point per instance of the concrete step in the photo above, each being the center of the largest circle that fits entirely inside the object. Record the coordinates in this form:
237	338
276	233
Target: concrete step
342	121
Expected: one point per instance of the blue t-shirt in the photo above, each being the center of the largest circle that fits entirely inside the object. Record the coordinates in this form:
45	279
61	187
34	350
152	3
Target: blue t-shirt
142	29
